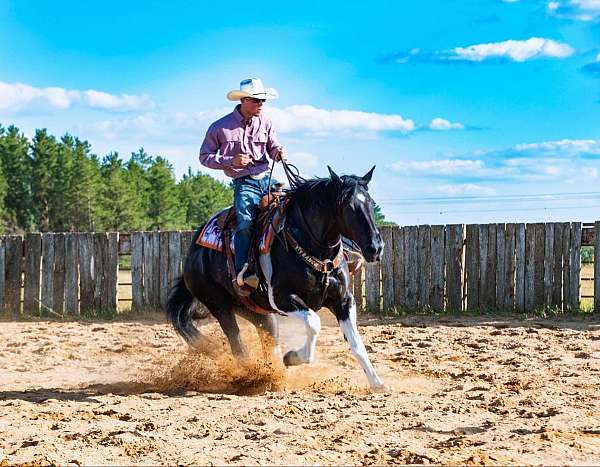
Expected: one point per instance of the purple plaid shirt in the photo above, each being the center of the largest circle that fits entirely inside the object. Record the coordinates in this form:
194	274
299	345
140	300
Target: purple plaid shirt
232	135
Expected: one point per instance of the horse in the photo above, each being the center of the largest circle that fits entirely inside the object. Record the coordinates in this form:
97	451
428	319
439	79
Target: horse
303	271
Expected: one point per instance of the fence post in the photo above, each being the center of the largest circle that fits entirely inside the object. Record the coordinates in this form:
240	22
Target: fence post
387	268
597	267
33	258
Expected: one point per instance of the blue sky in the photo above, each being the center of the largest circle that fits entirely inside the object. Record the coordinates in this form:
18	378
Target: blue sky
473	111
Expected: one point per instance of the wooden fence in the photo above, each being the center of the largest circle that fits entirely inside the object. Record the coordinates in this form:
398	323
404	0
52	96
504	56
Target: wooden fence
511	267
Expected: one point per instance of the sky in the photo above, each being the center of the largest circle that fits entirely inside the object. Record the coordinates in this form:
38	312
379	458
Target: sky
473	111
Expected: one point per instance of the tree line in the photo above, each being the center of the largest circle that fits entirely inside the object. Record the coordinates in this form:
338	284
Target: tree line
54	184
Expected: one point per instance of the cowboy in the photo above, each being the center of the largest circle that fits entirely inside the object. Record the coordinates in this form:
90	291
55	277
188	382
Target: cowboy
239	144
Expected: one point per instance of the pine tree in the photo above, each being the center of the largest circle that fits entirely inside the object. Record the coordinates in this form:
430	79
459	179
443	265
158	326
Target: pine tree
15	162
202	196
165	211
44	165
120	204
137	179
86	181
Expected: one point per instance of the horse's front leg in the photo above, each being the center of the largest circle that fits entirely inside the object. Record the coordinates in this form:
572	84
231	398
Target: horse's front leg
345	312
312	325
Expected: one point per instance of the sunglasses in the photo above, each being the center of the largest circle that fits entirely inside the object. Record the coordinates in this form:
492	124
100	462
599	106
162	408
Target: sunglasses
254	100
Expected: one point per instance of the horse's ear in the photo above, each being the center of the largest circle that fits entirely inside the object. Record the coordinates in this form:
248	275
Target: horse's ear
367	177
333	175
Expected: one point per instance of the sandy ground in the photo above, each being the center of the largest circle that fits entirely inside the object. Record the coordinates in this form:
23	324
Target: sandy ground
475	390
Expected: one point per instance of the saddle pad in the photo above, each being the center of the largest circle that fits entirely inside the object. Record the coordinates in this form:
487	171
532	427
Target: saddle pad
212	234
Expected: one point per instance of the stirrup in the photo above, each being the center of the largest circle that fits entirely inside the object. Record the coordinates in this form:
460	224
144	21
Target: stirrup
250	281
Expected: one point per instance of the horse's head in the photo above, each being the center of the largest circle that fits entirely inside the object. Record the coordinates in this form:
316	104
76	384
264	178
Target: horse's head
355	213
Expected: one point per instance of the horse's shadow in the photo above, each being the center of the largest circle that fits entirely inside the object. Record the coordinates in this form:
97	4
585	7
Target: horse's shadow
88	393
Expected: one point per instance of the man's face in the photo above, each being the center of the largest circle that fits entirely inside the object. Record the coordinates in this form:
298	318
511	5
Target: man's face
252	106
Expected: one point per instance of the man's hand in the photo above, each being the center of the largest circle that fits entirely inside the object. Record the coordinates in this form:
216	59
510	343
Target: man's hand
241	160
281	154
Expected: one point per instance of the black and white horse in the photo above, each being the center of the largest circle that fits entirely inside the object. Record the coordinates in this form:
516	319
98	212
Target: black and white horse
319	213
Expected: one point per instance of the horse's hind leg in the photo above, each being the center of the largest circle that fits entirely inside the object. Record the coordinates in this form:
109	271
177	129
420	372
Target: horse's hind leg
268	331
226	319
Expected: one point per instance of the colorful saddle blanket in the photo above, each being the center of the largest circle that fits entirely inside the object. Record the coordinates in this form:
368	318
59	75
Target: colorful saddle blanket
212	233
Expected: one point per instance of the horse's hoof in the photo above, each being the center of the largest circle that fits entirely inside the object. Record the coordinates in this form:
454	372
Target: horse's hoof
380	388
292	359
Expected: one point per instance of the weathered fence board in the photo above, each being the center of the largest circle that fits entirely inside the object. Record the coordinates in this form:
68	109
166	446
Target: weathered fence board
548	264
112	270
156	268
575	265
100	264
47	295
387	268
530	246
85	249
58	280
33	259
566	254
2	274
500	266
174	257
510	267
436	299
520	262
454	248
597	268
424	265
148	251
540	233
372	288
71	275
472	260
490	275
411	267
399	275
484	257
13	256
358	289
137	284
163	261
558	266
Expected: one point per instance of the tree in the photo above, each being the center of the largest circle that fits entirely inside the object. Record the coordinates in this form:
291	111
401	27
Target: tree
44	163
86	182
119	202
201	196
380	218
15	163
164	210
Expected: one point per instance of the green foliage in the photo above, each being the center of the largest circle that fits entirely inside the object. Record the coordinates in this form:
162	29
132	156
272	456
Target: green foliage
380	218
60	185
587	254
15	163
201	196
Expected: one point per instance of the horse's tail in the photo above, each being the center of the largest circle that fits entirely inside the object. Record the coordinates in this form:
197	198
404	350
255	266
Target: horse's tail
180	312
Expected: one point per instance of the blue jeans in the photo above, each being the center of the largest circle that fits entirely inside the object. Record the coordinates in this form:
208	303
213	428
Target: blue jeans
247	194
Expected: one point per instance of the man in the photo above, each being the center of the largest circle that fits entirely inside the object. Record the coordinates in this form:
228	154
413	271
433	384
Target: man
239	144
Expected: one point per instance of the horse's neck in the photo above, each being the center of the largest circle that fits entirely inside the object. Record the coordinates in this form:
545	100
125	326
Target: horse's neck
322	229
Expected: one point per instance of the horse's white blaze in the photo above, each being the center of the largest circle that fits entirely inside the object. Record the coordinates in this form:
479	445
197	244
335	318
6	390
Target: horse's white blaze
267	268
350	330
361	197
312	324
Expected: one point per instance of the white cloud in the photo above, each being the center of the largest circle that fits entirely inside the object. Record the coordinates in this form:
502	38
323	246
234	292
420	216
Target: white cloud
18	97
443	124
299	119
518	51
464	189
446	167
309	119
580	10
561	148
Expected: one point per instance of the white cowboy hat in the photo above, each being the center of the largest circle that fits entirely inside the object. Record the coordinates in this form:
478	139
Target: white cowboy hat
252	87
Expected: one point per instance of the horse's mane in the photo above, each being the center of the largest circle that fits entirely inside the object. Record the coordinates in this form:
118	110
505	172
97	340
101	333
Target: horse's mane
325	190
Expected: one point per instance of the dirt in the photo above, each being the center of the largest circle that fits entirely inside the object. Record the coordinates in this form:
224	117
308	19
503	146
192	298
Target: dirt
462	390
